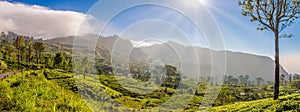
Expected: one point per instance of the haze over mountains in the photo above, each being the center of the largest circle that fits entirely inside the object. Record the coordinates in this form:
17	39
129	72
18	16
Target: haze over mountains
178	55
237	63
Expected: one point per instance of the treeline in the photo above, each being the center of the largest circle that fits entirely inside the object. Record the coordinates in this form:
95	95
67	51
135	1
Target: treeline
246	80
23	53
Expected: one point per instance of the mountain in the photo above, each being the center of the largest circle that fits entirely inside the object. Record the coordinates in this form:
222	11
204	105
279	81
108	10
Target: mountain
185	58
9	36
237	63
106	47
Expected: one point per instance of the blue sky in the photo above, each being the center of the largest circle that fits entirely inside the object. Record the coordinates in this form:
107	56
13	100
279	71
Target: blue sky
72	5
239	33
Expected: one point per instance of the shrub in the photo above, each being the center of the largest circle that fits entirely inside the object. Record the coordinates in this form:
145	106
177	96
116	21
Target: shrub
296	84
3	66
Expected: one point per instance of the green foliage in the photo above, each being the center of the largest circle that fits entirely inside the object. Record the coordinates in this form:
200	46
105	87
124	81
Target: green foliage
20	43
9	52
39	47
30	91
3	66
271	14
59	60
61	90
225	97
286	103
295	84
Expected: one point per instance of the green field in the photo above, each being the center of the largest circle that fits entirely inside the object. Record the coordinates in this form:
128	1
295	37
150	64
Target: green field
56	90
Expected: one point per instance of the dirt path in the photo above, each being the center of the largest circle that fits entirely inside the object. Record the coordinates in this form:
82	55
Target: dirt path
2	76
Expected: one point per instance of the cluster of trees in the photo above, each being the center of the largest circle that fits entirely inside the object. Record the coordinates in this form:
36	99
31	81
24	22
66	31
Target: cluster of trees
21	50
30	54
296	77
242	80
291	78
246	80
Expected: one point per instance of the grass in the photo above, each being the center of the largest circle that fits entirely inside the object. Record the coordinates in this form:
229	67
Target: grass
31	91
56	90
284	103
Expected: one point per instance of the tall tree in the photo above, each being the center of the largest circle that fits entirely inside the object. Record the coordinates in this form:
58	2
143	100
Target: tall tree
247	79
282	79
20	45
85	66
38	47
9	52
275	16
58	60
29	51
48	62
290	78
230	79
259	80
241	79
1	41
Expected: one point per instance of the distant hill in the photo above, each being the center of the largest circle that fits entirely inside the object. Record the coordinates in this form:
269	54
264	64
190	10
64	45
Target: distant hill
8	35
237	63
105	47
184	56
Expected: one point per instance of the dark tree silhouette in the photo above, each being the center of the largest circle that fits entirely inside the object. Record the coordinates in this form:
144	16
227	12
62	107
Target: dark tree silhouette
259	81
58	60
275	16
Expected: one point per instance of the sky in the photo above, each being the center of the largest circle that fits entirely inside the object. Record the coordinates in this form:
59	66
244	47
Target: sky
58	18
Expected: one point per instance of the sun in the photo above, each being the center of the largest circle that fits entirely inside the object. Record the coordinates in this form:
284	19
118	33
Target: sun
203	2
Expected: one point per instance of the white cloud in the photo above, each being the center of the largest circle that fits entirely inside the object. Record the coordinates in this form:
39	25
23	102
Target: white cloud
39	21
143	43
291	62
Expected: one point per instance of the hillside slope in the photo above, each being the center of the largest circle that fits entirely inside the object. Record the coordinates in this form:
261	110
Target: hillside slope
285	103
31	91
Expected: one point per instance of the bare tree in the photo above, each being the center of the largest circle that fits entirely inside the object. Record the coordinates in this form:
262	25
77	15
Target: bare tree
274	16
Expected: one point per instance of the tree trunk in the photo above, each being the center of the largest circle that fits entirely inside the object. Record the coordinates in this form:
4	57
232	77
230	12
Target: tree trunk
290	78
29	54
37	57
276	86
19	58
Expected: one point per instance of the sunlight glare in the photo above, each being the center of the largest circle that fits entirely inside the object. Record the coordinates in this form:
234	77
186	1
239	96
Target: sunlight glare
203	2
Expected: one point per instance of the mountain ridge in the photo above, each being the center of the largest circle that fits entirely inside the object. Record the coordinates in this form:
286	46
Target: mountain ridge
238	63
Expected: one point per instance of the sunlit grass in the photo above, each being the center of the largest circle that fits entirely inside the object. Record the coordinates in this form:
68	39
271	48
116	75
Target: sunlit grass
30	91
284	103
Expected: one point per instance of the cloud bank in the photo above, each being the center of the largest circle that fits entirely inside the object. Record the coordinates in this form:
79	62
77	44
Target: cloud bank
39	21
